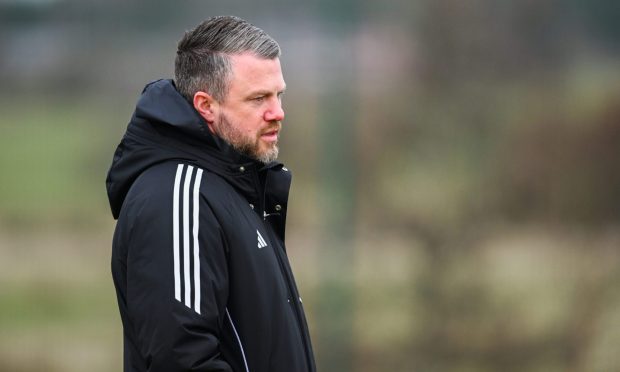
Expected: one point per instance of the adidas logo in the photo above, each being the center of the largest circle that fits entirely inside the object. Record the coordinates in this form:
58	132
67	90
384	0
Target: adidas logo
261	242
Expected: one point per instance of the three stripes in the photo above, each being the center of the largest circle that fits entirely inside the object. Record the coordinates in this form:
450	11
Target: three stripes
185	200
261	242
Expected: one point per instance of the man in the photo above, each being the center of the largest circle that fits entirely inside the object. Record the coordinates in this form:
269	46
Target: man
198	260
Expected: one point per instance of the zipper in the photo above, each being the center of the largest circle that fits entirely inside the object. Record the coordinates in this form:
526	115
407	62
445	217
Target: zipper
261	193
288	278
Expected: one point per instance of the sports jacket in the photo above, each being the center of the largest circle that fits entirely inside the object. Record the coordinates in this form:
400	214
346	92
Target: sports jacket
198	259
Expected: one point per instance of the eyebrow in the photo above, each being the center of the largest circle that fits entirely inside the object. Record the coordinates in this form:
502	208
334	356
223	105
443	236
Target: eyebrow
265	92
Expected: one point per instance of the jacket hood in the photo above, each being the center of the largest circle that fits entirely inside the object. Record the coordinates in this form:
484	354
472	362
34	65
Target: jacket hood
165	126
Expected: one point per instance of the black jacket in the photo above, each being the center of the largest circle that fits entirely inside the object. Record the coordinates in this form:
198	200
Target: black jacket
198	260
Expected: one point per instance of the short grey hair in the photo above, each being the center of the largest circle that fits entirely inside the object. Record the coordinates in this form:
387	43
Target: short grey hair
202	62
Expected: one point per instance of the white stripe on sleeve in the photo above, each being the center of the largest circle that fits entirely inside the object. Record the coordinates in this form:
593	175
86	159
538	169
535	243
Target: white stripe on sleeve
186	222
196	248
175	233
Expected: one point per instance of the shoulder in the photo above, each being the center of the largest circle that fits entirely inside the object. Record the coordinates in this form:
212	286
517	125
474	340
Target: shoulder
176	180
164	185
160	180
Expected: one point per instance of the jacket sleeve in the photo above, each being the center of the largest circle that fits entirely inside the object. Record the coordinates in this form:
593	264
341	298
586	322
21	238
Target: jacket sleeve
177	282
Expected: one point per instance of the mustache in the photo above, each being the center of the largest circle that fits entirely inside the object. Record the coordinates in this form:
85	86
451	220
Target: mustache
275	126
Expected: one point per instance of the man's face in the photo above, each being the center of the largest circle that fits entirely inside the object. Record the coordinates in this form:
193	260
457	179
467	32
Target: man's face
250	116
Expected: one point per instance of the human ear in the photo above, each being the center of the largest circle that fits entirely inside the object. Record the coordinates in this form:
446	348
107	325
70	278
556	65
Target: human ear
207	107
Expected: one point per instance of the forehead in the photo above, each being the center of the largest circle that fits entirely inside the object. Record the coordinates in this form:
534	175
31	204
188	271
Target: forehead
250	72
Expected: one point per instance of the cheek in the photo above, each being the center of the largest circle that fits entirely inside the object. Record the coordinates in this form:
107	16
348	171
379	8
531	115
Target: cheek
249	121
255	114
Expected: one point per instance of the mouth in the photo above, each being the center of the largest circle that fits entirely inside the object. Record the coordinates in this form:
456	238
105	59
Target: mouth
271	135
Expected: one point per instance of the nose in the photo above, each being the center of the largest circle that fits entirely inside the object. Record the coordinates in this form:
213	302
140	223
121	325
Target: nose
274	112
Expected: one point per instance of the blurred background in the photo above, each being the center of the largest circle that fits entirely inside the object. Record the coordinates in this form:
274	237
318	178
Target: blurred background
456	195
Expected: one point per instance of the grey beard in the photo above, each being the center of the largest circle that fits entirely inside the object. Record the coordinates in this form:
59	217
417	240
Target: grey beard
248	150
227	132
